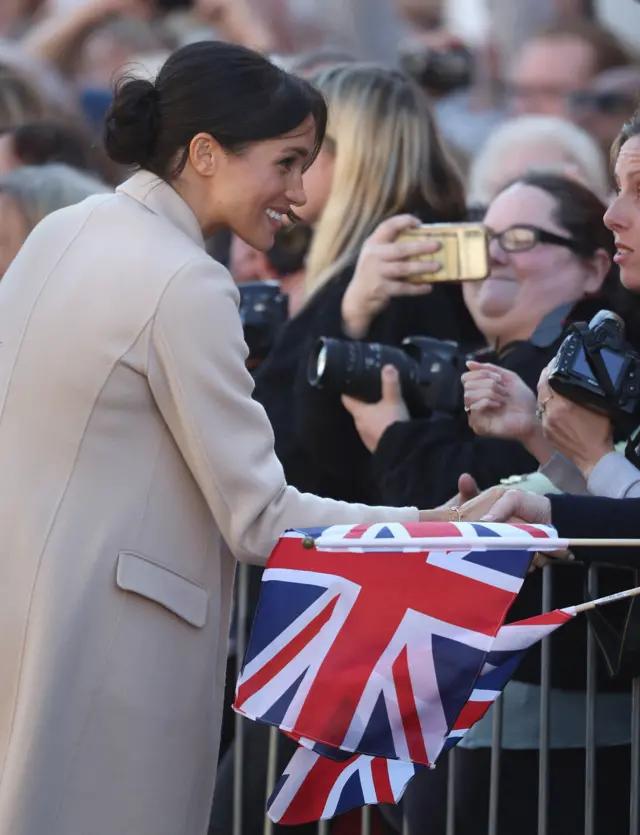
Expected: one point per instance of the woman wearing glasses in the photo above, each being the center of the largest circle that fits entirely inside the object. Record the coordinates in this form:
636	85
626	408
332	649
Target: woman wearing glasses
551	263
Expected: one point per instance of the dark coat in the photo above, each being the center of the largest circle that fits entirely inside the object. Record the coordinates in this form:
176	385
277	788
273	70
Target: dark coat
419	462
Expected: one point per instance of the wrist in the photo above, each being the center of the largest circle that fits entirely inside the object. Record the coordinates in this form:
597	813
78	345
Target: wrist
355	320
538	446
587	465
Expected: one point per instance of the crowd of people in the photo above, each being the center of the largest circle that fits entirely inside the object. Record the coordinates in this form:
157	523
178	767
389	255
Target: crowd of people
544	152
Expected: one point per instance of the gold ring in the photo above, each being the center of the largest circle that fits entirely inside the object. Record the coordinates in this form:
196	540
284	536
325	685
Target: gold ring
457	511
542	406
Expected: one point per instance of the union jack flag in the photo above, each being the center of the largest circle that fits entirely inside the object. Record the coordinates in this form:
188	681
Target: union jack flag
314	787
377	653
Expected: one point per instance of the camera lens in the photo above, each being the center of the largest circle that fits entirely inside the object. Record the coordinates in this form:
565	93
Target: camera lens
321	365
354	368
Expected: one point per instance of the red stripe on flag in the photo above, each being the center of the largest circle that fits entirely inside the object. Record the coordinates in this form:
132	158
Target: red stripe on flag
471	713
286	654
554	618
408	710
357	532
429	529
381	782
536	533
309	801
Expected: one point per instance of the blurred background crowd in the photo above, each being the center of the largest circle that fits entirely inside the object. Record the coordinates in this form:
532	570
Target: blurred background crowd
502	111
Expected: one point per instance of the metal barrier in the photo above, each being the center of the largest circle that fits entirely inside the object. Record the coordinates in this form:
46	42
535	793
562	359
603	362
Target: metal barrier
324	827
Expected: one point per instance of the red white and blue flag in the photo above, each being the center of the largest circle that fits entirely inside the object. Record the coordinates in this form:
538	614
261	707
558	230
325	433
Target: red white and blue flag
386	653
314	787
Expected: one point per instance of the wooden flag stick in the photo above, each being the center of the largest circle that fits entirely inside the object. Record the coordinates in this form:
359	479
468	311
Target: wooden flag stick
602	601
460	543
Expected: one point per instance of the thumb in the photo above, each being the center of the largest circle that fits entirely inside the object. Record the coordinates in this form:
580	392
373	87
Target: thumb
467	488
391	392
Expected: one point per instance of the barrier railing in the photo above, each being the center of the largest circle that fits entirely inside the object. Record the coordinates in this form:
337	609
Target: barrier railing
366	825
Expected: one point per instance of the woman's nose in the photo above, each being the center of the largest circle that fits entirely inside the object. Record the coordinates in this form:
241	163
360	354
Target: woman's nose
616	217
497	255
297	196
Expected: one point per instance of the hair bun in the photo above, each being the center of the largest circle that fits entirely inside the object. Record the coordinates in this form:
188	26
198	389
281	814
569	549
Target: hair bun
132	123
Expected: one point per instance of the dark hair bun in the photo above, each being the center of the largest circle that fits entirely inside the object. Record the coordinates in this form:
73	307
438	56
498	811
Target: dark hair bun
132	123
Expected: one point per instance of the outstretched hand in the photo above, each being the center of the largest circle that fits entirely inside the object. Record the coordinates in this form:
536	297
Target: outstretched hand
517	504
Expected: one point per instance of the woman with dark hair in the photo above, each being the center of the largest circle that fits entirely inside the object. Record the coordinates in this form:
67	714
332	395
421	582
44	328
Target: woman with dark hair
551	263
136	461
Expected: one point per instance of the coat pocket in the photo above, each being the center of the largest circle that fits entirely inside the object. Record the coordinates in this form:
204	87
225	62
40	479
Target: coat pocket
184	598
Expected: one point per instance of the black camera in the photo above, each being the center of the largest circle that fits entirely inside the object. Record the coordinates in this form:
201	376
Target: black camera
429	371
598	369
440	72
264	309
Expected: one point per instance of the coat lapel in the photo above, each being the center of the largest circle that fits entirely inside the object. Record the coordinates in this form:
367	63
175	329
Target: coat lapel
160	198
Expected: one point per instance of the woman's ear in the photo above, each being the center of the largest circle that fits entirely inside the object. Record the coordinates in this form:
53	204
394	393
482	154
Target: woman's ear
598	267
203	151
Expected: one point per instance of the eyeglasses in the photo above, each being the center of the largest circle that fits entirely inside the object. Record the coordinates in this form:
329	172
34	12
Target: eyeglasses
523	238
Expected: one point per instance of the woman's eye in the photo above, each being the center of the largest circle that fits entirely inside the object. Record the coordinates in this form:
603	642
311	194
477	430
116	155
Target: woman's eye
287	163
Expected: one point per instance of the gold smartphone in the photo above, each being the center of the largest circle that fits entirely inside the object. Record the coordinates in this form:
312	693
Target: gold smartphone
463	253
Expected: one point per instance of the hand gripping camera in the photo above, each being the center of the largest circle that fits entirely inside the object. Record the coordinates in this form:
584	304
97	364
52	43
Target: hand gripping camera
429	370
598	369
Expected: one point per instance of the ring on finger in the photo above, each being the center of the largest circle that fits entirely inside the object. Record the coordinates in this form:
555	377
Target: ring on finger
542	406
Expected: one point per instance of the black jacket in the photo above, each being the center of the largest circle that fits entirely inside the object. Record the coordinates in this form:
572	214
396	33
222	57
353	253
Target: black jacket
616	626
315	438
418	463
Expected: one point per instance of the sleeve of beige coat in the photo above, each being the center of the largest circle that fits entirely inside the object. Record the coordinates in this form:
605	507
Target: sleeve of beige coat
196	370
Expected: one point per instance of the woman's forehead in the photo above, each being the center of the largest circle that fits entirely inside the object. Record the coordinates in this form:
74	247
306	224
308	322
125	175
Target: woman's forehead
521	202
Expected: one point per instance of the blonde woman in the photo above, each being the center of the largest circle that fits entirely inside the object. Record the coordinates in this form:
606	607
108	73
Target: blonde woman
382	168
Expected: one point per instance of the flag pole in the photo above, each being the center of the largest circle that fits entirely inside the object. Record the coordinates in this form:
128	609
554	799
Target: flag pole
603	601
461	543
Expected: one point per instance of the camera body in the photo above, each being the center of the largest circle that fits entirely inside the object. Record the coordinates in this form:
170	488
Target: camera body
264	309
429	371
596	367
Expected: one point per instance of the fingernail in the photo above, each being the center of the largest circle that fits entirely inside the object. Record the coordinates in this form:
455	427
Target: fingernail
389	371
488	518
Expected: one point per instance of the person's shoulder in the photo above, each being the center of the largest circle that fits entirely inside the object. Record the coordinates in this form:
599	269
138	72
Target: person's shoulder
201	277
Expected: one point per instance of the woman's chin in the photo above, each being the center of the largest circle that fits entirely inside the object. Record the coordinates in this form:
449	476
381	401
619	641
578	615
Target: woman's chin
261	239
630	278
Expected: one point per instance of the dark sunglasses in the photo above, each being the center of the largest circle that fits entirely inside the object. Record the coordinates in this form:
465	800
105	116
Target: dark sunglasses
522	238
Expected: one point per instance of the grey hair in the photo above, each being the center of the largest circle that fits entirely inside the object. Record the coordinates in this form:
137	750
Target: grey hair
41	189
578	149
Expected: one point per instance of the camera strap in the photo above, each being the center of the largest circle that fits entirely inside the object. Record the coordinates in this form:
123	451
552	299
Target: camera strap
631	449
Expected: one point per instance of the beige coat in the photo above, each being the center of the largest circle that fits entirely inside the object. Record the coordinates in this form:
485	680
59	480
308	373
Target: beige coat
134	464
